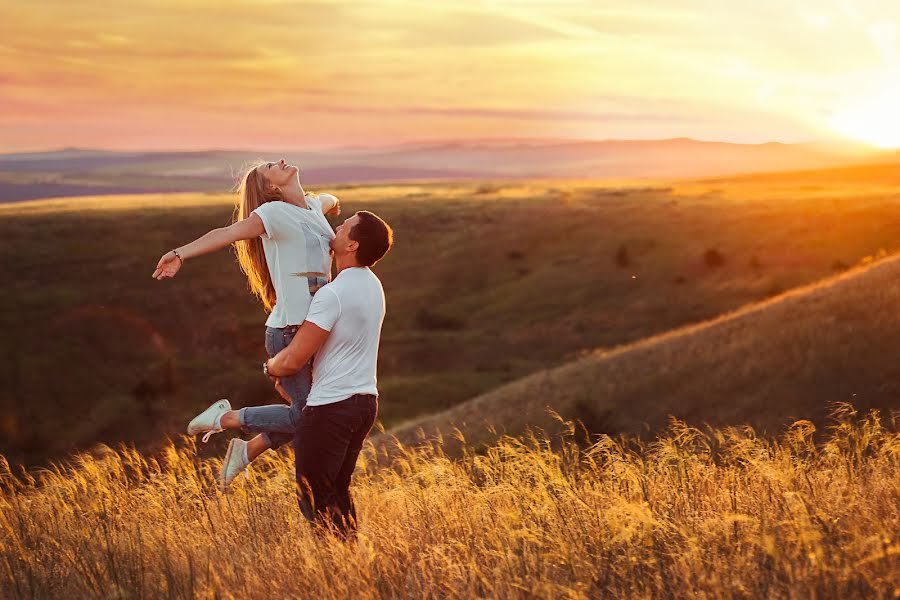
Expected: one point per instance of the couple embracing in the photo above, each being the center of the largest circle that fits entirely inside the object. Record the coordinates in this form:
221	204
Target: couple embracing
322	335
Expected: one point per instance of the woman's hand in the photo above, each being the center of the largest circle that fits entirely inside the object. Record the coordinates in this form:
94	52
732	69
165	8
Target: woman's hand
281	391
331	205
334	210
168	265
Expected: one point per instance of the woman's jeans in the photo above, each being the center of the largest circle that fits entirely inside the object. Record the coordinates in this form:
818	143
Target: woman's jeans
277	422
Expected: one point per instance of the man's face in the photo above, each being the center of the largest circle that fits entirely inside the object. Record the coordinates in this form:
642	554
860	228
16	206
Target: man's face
342	244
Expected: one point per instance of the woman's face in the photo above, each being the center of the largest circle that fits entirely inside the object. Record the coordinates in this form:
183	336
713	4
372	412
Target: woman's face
278	174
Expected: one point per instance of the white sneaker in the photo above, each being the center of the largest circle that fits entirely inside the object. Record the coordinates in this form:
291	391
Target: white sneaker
234	463
206	421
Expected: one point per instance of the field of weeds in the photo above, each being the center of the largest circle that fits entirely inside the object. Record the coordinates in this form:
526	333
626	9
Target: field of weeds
696	514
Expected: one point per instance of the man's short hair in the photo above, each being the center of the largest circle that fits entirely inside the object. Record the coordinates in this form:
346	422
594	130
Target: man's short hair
374	236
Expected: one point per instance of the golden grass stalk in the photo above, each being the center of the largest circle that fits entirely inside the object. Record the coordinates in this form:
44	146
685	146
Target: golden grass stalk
720	513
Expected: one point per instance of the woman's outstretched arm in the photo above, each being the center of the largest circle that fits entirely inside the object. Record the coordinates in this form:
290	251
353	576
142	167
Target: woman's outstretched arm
216	239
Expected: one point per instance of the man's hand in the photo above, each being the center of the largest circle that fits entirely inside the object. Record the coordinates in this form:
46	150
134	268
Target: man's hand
282	392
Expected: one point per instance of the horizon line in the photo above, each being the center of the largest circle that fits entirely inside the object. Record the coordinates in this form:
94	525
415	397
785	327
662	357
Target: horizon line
548	141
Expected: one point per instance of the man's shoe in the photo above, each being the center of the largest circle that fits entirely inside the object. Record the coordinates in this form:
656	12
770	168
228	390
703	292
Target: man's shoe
234	463
206	421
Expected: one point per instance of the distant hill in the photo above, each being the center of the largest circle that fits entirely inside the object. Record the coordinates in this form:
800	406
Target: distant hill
75	172
765	365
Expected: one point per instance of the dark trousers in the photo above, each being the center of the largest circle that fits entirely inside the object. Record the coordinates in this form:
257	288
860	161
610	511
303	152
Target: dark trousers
327	442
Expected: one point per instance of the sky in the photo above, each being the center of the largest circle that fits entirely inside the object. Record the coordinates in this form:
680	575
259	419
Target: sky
273	74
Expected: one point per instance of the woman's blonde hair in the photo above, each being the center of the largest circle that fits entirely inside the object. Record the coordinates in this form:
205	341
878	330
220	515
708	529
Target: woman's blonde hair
252	194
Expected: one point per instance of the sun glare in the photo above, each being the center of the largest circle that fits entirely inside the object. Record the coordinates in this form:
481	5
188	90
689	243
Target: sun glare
872	119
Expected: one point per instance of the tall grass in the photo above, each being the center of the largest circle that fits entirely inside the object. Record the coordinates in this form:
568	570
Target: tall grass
719	513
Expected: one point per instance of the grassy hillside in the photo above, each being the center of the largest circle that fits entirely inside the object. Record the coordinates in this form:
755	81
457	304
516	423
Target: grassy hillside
74	172
487	283
714	514
766	364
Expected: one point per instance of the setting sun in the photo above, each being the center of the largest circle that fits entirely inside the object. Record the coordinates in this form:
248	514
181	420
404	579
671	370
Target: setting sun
872	119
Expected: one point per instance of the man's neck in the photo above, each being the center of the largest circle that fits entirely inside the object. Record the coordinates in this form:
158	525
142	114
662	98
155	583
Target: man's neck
345	262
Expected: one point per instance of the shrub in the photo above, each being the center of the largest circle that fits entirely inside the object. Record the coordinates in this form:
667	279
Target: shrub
713	258
754	263
774	289
487	188
433	321
622	258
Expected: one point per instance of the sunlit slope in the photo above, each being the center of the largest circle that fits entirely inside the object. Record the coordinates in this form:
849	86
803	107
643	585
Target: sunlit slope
764	365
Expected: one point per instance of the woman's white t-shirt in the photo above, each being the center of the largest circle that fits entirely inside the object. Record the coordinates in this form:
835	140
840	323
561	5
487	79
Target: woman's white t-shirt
296	242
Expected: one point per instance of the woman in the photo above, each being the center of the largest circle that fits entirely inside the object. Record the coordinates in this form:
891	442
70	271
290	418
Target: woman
282	240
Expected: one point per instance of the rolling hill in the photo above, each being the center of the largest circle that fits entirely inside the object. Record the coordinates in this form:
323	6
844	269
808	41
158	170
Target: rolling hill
765	365
488	282
77	172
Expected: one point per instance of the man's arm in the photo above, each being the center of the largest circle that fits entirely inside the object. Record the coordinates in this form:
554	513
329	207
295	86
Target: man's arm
307	341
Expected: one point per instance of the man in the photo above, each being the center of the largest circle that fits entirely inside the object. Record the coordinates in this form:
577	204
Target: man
342	329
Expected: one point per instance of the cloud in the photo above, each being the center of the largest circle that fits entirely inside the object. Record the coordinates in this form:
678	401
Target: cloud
483	113
509	68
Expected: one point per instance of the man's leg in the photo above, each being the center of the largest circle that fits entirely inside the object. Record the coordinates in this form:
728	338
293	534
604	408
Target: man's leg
368	409
322	440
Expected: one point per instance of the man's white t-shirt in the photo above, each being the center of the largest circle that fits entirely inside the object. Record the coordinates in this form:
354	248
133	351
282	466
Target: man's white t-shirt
352	308
296	241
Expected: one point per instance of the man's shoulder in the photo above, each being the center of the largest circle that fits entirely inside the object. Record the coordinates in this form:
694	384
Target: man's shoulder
350	281
325	300
331	291
370	279
362	276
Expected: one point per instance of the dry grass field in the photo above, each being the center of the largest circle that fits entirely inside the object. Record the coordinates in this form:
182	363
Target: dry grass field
719	513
